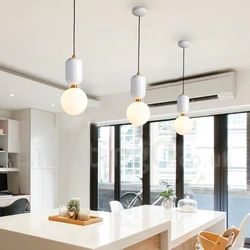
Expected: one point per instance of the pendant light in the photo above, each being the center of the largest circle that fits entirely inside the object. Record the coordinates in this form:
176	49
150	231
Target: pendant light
138	112
74	101
183	124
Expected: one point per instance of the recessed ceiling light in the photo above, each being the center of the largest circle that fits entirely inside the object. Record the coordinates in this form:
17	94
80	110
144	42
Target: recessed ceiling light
52	105
11	95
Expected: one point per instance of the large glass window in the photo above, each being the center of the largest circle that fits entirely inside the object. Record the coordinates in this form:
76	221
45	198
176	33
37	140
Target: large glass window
105	167
131	165
238	188
163	158
199	162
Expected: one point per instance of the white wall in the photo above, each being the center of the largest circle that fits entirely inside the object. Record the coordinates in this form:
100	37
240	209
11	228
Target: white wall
5	114
74	132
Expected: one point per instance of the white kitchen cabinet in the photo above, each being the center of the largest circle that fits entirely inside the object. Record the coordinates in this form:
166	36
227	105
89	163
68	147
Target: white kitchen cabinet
37	159
43	168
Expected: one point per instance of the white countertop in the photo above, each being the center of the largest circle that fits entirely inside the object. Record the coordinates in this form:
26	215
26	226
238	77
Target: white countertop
118	230
185	225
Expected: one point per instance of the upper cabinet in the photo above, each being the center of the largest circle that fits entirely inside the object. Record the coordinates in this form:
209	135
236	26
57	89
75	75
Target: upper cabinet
13	135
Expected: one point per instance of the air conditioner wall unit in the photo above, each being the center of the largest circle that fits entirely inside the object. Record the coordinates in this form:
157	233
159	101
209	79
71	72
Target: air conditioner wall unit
212	87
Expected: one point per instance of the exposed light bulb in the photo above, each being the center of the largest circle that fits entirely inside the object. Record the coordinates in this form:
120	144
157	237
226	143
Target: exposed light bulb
74	101
138	113
183	125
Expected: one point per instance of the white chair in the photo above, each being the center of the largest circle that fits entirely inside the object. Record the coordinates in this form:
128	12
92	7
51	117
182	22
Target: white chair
115	206
240	239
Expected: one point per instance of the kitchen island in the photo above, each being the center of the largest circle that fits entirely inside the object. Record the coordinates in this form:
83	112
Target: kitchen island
145	227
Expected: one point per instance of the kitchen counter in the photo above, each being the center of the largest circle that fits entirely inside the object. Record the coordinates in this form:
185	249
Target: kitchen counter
151	226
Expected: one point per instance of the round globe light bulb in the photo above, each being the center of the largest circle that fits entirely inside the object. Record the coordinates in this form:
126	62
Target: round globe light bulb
74	101
138	113
183	125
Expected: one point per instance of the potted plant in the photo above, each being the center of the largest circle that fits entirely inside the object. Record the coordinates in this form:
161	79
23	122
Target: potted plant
73	207
169	197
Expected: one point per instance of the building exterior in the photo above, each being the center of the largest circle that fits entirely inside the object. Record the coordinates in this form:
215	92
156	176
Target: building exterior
198	152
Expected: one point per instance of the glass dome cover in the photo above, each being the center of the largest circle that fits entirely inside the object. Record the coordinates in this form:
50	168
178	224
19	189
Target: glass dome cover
187	204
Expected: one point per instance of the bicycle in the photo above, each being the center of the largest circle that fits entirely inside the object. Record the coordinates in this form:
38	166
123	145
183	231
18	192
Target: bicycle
133	199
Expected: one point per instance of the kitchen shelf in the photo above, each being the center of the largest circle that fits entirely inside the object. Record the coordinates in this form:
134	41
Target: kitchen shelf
9	145
9	170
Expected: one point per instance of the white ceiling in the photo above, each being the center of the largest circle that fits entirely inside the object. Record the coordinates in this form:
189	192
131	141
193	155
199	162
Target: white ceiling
36	39
30	94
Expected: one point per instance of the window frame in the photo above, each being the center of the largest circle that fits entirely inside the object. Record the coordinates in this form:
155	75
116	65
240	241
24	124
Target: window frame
220	172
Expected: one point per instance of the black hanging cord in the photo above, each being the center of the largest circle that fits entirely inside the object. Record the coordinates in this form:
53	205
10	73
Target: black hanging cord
74	28
139	43
183	69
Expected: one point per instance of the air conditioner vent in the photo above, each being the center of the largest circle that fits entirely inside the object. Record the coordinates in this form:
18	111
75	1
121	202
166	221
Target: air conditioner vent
204	98
195	99
219	87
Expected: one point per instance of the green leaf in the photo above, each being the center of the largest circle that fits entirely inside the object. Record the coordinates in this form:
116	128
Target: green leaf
73	205
167	193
